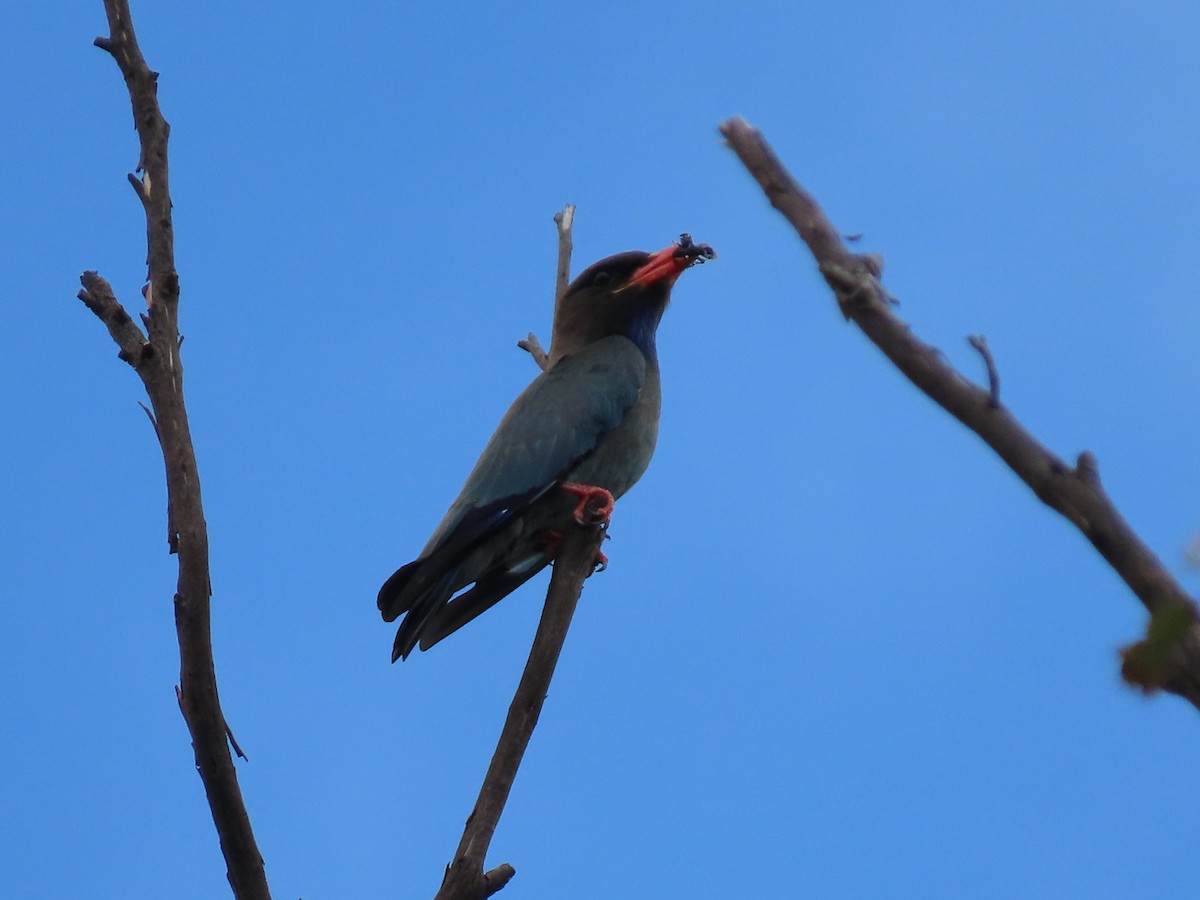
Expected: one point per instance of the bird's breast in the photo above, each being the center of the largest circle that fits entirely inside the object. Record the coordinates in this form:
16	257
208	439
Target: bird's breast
621	458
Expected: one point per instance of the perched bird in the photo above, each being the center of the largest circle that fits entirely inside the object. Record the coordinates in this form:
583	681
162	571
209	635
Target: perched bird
589	421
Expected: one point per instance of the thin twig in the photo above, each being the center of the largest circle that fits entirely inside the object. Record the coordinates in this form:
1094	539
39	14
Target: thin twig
1075	492
237	748
533	347
564	220
465	878
150	416
155	357
979	342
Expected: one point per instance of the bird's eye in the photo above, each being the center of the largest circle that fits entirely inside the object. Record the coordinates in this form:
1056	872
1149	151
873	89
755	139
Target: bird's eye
601	278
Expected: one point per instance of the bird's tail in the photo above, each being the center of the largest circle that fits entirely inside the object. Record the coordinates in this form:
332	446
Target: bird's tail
391	595
407	592
487	592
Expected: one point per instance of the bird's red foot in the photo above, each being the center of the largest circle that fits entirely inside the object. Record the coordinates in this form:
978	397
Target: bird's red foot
553	540
595	503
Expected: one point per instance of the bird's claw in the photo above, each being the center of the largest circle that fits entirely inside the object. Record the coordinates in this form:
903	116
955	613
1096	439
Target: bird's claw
553	541
595	503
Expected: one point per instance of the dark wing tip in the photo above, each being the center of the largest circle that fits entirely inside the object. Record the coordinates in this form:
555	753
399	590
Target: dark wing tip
388	600
421	607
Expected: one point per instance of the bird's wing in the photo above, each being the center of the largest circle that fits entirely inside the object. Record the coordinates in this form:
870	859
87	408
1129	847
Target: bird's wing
554	424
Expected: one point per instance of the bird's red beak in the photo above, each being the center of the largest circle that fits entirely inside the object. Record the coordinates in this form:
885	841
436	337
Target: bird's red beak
663	266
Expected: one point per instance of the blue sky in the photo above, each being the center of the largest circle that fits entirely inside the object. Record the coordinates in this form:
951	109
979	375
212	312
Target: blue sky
840	652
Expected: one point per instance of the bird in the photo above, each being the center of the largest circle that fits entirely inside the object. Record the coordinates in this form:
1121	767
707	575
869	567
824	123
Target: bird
585	428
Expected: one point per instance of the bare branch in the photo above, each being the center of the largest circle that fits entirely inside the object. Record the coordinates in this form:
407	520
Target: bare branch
575	561
153	132
1075	492
97	295
465	878
155	356
533	347
564	220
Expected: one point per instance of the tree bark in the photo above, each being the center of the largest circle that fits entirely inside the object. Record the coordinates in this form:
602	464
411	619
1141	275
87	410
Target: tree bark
154	355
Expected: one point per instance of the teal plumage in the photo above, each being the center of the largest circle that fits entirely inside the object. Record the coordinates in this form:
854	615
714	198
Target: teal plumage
590	418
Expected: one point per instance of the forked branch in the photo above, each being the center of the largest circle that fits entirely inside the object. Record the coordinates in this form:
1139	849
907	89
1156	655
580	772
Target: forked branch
465	878
563	220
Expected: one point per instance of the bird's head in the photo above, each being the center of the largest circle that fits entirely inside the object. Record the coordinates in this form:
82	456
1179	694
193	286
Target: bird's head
623	294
